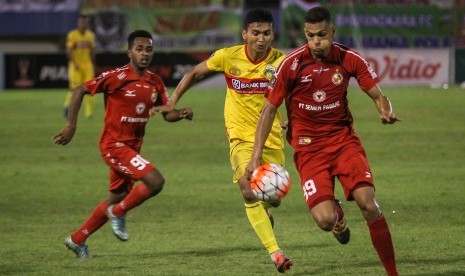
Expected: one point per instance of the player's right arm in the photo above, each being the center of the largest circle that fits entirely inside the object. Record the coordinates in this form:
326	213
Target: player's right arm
67	133
191	77
263	130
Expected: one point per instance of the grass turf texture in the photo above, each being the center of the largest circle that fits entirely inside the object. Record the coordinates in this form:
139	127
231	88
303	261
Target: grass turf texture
197	225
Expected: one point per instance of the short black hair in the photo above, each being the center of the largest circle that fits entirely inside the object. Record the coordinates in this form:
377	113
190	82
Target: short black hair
137	33
257	15
317	15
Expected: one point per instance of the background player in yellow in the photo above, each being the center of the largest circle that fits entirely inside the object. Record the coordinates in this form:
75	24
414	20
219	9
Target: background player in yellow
80	51
247	69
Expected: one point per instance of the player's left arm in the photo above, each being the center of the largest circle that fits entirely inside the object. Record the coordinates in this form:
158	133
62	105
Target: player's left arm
383	104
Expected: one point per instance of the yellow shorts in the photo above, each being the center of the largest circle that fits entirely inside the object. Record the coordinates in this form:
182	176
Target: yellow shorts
240	153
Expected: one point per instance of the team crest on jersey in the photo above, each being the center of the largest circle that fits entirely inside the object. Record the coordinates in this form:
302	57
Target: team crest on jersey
234	71
319	96
154	95
140	108
269	71
337	78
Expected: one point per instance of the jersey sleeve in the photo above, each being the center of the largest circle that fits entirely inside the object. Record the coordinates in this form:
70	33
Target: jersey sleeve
100	84
365	75
216	61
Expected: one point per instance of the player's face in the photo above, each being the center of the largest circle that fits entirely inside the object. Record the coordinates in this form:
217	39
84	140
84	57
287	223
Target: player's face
258	37
82	23
141	53
319	38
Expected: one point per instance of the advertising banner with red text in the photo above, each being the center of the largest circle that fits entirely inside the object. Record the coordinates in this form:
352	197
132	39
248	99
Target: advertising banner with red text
400	67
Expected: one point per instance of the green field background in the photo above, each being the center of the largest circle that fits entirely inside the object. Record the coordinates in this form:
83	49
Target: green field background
197	225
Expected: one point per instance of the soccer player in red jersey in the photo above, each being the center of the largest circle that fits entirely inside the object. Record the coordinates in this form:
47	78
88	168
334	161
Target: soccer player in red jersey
130	93
313	82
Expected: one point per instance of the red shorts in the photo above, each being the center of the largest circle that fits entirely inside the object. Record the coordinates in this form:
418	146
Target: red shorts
126	166
317	170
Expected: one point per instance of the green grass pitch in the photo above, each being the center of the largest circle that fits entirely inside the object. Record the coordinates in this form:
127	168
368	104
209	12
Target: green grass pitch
197	225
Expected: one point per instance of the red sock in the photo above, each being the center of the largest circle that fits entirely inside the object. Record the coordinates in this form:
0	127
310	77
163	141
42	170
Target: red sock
136	196
381	239
92	224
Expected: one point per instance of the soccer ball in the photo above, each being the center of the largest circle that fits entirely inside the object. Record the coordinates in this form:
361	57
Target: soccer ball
270	182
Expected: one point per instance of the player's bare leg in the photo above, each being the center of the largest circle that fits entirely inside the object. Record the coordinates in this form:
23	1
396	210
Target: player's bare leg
329	216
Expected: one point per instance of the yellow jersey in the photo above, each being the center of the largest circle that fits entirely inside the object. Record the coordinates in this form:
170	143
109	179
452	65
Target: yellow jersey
80	46
247	82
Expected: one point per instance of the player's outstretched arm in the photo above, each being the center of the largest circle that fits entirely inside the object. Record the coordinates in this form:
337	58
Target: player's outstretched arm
191	77
263	130
383	104
67	133
179	114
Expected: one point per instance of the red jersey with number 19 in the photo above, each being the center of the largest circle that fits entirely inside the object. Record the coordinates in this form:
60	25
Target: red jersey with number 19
128	99
315	93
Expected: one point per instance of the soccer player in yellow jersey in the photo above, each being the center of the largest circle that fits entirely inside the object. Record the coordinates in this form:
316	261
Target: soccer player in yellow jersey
247	69
80	51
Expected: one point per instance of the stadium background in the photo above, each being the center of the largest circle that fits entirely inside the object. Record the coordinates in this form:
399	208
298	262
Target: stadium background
408	42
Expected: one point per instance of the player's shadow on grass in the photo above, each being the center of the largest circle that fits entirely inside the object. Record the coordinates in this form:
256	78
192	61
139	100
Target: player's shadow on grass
375	264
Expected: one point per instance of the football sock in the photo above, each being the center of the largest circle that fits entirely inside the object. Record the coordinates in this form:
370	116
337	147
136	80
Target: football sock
382	242
261	224
265	205
136	196
97	218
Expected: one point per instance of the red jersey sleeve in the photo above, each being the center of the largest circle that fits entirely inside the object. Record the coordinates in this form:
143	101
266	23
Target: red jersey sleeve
365	75
105	82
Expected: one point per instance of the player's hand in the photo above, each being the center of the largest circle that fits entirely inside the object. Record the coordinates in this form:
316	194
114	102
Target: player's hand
284	125
162	108
65	136
389	118
250	168
186	113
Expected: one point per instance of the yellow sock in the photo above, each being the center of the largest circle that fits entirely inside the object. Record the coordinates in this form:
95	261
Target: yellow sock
261	224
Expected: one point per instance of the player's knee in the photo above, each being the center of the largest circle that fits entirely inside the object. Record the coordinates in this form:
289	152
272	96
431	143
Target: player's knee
248	196
325	221
370	210
156	185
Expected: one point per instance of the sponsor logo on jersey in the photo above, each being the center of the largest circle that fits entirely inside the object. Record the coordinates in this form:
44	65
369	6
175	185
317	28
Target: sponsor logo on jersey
337	78
294	65
253	87
130	93
121	76
304	140
319	96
